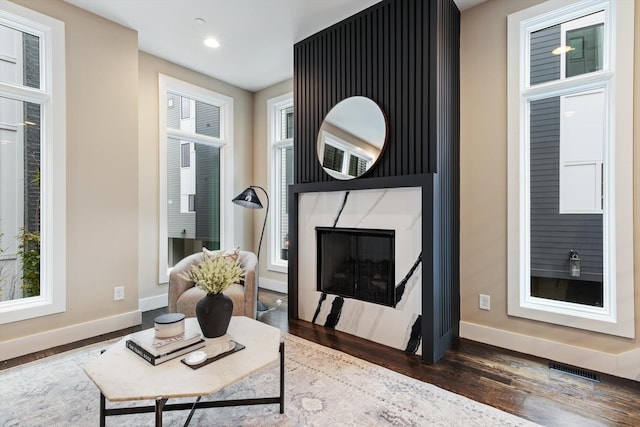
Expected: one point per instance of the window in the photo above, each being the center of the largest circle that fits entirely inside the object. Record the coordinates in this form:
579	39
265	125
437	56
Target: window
570	165
280	128
32	164
196	164
185	154
342	157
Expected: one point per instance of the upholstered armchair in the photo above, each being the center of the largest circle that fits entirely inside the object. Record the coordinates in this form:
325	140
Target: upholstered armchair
184	295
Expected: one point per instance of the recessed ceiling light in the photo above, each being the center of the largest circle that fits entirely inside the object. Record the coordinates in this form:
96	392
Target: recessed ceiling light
211	42
199	21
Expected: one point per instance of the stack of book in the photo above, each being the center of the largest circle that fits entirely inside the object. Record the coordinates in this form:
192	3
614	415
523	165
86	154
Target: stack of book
158	350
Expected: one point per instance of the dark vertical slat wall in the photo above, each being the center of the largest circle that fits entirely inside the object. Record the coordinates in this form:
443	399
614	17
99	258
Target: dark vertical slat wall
378	53
446	181
403	54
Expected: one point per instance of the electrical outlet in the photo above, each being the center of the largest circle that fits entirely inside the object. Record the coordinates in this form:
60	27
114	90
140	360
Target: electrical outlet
118	293
485	302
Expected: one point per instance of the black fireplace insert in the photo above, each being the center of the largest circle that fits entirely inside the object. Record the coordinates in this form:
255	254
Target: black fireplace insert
357	263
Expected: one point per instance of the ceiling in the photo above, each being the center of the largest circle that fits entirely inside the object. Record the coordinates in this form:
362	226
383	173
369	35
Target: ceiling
256	36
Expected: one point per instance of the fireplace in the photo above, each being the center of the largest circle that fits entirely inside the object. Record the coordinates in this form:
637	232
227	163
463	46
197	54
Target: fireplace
414	186
357	263
393	320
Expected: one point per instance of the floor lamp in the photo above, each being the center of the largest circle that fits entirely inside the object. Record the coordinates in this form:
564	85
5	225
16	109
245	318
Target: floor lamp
249	199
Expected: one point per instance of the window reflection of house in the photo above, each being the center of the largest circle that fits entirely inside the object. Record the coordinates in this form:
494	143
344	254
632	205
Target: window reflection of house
193	178
567	140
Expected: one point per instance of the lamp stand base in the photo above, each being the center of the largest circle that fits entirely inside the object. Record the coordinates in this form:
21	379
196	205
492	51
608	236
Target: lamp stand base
261	307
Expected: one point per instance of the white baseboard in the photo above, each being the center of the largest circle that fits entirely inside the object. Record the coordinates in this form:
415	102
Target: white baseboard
274	285
151	303
622	365
49	339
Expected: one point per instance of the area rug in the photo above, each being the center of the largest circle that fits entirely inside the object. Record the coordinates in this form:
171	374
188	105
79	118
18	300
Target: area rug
323	387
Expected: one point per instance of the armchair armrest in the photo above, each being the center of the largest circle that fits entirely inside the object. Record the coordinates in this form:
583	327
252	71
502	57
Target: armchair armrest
249	261
177	284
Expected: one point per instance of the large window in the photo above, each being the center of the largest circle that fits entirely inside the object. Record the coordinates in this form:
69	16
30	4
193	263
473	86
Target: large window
280	119
196	154
570	165
32	164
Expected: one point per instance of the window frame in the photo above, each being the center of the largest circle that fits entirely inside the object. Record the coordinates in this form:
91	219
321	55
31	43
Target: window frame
169	84
617	314
275	168
51	97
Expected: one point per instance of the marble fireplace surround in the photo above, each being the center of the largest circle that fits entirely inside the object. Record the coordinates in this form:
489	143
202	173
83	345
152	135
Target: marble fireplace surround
398	209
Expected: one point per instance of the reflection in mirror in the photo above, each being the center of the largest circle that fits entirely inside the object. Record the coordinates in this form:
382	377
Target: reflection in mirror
351	137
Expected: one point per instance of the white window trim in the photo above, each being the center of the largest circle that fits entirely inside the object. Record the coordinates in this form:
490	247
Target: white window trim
275	263
52	98
617	316
170	84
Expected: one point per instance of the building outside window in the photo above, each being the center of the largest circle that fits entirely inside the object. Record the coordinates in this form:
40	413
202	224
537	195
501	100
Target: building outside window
196	148
280	128
32	165
564	88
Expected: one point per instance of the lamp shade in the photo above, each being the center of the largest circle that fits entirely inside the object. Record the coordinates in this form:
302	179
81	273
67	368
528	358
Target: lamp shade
248	199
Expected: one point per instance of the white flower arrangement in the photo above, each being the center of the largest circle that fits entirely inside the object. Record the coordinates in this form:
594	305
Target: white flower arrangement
214	274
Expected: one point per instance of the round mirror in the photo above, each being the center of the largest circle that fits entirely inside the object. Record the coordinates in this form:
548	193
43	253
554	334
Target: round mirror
351	137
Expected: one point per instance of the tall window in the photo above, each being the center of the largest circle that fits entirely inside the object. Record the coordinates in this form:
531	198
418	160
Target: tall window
196	163
566	87
32	164
281	176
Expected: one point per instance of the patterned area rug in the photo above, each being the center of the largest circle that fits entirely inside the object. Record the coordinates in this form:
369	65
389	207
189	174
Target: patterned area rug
322	387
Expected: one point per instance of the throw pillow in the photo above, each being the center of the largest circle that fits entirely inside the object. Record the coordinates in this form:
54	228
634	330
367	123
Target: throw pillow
229	253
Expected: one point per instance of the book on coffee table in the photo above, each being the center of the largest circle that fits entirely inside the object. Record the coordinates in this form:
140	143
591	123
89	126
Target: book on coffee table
160	346
157	359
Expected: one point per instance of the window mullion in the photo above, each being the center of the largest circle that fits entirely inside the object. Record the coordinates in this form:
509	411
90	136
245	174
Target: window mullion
23	93
194	137
565	86
284	143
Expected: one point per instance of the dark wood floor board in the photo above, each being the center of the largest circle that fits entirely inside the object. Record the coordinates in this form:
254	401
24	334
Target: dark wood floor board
553	414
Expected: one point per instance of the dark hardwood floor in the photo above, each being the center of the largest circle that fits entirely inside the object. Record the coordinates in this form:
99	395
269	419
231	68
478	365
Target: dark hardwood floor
517	383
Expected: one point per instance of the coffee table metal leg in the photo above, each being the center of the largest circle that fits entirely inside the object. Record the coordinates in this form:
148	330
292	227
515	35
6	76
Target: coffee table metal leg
282	377
193	409
159	405
103	406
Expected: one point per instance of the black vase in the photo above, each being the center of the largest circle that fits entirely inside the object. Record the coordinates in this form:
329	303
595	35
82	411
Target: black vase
214	314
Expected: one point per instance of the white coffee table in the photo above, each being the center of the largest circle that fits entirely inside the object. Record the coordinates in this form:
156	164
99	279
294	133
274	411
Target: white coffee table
121	375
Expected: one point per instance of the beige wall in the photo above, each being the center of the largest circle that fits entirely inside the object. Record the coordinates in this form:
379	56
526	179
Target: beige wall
102	178
149	69
112	179
261	155
483	216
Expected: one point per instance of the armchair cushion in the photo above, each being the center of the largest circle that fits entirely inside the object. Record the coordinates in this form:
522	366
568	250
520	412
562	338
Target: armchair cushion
184	295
